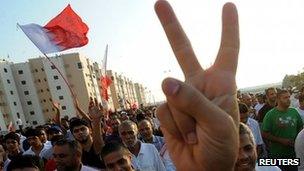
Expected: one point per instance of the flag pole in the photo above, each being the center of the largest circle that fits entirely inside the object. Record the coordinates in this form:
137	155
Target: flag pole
64	79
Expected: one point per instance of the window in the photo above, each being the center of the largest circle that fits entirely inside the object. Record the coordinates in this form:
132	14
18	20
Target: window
15	103
26	92
20	72
11	92
39	80
18	115
44	100
79	65
55	77
23	82
5	70
35	122
50	99
42	69
60	97
32	112
36	70
63	107
53	66
58	87
8	81
44	79
47	89
29	103
47	110
41	90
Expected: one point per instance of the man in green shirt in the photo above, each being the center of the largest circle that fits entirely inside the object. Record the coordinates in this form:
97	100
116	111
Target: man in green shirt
281	126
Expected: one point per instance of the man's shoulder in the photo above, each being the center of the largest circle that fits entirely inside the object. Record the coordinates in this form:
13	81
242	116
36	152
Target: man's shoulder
147	148
267	168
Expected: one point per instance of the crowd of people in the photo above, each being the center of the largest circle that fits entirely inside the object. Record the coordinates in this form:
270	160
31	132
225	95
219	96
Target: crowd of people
205	124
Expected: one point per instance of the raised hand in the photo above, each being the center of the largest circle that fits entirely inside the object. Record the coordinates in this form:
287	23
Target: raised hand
95	110
56	105
200	119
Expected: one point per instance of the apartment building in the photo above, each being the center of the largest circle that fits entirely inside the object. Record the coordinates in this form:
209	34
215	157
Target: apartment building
28	90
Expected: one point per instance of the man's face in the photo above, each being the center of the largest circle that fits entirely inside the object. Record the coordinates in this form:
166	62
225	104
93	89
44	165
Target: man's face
117	161
34	141
12	145
271	95
247	155
145	130
81	133
128	135
284	100
244	117
64	158
43	136
247	100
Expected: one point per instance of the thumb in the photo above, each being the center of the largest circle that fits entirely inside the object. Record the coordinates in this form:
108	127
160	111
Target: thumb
192	103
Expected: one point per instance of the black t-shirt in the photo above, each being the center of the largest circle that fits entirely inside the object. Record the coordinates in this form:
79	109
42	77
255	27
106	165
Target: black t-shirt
90	158
263	111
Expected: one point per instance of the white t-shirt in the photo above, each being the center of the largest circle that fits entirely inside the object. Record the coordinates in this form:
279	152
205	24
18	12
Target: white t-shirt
301	112
255	129
299	149
148	159
31	152
257	108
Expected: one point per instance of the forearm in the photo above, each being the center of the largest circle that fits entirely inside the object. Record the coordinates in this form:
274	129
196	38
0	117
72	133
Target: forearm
57	117
269	137
97	135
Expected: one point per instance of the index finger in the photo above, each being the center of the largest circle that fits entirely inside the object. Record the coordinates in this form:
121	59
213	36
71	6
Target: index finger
178	39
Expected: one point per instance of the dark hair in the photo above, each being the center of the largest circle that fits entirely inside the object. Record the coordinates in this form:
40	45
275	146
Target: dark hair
244	129
74	122
25	161
279	93
32	132
301	98
113	147
56	138
268	89
243	108
13	136
73	145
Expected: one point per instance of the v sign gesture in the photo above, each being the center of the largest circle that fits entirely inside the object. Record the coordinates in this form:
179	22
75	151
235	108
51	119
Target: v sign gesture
200	118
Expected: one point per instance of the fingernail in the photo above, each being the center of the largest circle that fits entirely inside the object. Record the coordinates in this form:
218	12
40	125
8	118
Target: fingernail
191	138
172	87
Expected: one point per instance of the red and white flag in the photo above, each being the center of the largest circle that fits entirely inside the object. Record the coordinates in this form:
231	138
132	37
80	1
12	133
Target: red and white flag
63	32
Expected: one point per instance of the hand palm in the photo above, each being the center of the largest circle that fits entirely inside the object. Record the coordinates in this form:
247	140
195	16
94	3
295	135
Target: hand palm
218	139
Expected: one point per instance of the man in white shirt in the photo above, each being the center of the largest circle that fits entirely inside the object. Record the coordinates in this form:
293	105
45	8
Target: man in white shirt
299	149
260	104
247	153
300	109
144	156
253	125
37	147
67	155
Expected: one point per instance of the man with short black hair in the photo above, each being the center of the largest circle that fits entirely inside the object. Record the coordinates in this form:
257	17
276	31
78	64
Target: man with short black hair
271	97
26	162
89	136
67	155
144	156
117	157
300	109
12	143
281	126
37	147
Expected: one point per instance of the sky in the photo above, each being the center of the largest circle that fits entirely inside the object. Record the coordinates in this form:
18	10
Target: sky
271	36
